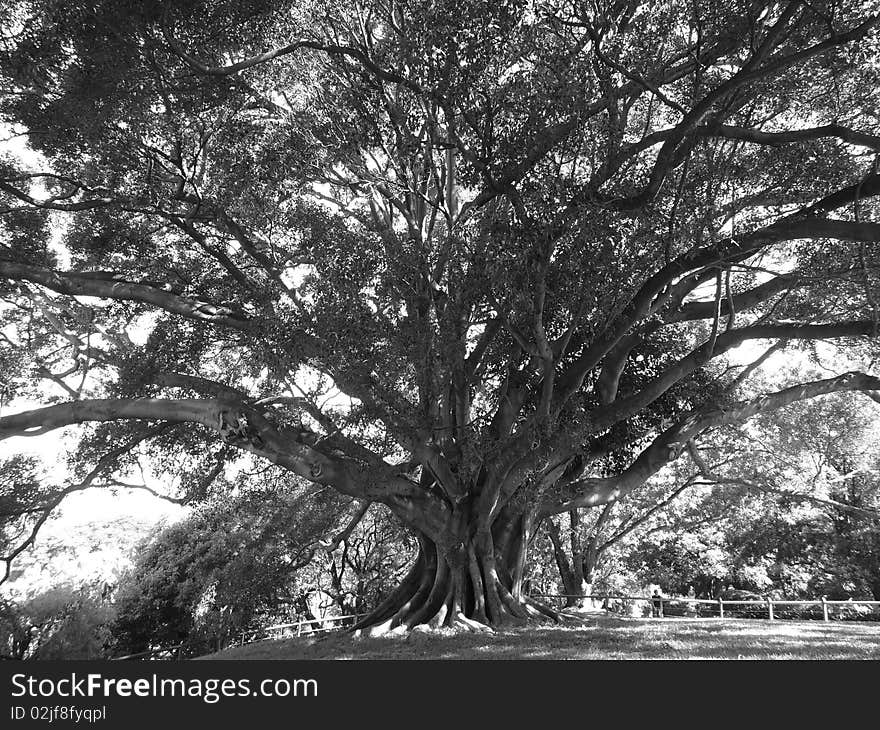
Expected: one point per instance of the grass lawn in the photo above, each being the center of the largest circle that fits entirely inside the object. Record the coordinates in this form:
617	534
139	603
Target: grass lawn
597	637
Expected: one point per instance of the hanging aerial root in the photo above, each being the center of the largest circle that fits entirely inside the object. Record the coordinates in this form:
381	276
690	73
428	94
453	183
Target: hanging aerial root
392	604
412	591
455	589
479	594
436	597
543	610
439	618
517	608
399	618
462	621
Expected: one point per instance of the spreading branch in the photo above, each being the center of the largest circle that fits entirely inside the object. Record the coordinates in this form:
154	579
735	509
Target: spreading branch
667	447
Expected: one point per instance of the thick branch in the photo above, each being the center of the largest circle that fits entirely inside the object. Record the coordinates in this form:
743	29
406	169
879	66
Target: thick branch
357	54
84	284
199	385
669	445
54	204
244	427
626	407
850	136
799	225
668	155
741	302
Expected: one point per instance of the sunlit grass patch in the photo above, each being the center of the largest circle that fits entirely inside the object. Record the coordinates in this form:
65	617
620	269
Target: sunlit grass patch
597	637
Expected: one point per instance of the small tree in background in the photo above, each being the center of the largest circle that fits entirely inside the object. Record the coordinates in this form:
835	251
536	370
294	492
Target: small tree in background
256	559
61	623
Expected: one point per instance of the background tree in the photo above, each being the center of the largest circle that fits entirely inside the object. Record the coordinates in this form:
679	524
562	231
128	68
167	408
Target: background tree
480	264
235	564
63	622
812	476
598	539
367	565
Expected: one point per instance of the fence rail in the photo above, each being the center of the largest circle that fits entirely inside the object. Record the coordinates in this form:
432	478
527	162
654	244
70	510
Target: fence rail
298	628
719	603
334	623
276	631
163	652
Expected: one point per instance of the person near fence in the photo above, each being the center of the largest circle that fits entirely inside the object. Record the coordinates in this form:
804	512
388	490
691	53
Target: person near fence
657	604
692	607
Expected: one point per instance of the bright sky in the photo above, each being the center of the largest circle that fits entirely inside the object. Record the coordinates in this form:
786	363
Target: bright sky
90	508
50	449
82	515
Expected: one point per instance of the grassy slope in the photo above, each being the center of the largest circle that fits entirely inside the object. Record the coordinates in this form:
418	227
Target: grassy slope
599	637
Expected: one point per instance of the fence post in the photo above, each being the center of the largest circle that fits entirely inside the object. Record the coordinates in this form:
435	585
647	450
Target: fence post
720	608
824	609
299	629
770	608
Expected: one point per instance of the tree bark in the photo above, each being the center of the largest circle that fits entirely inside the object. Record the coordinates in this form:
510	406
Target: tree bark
575	584
472	584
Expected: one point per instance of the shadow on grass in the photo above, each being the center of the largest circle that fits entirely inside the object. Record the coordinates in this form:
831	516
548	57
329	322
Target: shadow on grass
599	637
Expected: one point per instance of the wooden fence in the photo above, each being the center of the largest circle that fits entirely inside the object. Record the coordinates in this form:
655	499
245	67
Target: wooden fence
298	628
766	605
335	623
276	631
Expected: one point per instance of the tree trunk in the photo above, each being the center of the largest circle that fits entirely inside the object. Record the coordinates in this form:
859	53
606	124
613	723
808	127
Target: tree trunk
590	560
572	581
582	584
577	573
474	584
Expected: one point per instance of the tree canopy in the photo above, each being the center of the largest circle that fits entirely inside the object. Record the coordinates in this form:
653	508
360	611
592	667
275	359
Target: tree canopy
480	263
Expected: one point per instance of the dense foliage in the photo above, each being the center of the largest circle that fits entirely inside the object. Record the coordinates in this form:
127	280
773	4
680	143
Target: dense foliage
480	263
265	557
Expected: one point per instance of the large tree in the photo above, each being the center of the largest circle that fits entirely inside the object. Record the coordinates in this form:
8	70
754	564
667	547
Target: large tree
480	262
